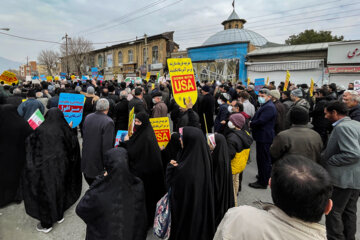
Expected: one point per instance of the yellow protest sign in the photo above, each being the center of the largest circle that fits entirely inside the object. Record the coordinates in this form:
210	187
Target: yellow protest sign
152	86
267	81
182	80
311	91
131	122
147	76
73	77
57	78
49	78
8	78
287	80
161	128
248	81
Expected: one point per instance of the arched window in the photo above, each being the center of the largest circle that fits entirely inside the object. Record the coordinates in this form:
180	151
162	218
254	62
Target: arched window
155	54
100	60
120	58
130	56
236	26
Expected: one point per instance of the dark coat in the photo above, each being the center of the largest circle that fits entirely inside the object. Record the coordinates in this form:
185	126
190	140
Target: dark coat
263	123
298	140
223	115
15	100
27	108
98	138
206	107
14	130
114	206
187	118
51	178
354	113
281	117
159	110
237	141
138	104
318	116
53	102
121	114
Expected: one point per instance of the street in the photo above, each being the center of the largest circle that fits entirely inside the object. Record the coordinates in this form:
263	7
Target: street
16	224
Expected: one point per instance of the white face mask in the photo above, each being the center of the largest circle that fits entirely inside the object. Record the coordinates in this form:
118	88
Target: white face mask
230	109
219	102
231	125
153	100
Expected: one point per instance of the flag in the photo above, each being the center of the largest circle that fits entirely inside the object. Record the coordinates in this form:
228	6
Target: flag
36	119
311	91
157	77
248	82
287	80
267	81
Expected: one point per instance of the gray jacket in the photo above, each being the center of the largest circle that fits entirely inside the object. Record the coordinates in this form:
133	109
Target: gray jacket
342	155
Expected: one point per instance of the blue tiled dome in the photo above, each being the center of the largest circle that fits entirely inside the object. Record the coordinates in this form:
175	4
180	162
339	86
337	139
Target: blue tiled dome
236	35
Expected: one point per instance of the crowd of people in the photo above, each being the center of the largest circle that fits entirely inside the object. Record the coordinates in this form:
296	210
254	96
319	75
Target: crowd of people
307	151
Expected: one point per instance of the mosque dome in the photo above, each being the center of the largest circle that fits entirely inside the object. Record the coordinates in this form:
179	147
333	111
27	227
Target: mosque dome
234	32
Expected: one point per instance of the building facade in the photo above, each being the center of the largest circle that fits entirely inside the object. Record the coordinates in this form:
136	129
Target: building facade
29	69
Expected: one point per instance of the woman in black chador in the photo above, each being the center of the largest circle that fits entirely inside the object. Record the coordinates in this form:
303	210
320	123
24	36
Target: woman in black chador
52	176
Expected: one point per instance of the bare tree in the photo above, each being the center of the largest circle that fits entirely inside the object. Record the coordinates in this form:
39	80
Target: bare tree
78	50
49	58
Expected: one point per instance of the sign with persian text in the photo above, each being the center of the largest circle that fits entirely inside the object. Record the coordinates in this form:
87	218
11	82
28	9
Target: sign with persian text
161	128
72	106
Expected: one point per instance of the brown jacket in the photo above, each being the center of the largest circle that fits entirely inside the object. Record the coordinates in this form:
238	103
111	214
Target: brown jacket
159	110
299	139
269	223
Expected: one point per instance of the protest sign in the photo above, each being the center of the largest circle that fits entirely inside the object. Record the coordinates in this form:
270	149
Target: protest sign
357	86
182	80
43	78
248	82
211	140
36	119
8	78
287	80
49	78
57	78
94	72
120	137
311	91
73	77
72	106
259	84
131	122
62	75
147	76
161	128
100	77
267	81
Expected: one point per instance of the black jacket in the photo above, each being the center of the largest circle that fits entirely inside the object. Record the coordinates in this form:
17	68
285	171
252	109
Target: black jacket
121	115
138	104
237	141
354	113
318	116
114	206
15	100
206	106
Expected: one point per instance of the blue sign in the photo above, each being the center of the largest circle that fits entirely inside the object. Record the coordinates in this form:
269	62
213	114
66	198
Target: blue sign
259	84
63	75
94	72
35	78
72	106
43	78
84	78
120	136
100	78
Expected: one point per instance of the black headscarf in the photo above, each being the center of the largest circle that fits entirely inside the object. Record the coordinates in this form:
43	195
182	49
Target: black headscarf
192	197
13	132
52	176
223	184
171	150
145	163
114	206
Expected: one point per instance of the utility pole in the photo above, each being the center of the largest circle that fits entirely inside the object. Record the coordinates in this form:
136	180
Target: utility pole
66	47
146	52
27	65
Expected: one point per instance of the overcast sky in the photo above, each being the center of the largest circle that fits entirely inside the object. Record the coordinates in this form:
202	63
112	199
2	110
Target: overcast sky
192	20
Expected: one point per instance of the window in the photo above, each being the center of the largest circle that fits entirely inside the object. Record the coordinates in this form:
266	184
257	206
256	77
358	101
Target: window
130	56
144	56
100	60
120	58
236	26
155	54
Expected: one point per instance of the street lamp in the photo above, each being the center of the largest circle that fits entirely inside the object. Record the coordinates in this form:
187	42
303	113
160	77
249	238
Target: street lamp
5	29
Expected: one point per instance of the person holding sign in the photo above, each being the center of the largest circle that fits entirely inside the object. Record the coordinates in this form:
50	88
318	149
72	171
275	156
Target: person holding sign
145	162
14	130
52	178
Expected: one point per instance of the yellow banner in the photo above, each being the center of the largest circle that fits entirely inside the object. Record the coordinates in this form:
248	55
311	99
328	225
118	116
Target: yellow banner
73	77
161	128
287	80
248	82
49	78
311	88
131	122
182	80
267	81
147	76
57	78
8	78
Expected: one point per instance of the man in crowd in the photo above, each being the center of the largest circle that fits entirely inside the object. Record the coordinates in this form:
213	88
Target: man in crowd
121	113
16	98
137	102
320	124
301	191
281	111
342	160
249	108
262	125
159	109
98	130
27	108
352	100
299	139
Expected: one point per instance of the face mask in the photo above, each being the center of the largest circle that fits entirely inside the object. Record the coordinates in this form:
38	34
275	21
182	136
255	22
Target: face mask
230	109
231	125
261	100
219	101
153	100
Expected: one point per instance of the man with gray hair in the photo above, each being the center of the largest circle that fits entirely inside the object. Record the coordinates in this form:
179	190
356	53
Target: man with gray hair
44	100
352	100
121	112
98	137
